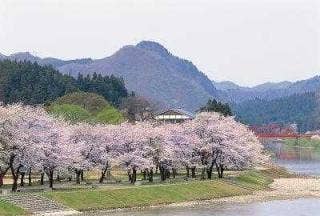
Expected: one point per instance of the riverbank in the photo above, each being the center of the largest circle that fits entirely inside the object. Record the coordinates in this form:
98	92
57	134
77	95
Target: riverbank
236	187
280	189
162	194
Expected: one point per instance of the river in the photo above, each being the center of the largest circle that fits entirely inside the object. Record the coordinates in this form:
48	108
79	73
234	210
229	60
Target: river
301	161
297	207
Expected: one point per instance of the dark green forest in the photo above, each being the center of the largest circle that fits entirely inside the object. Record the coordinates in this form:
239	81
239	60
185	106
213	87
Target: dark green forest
215	106
31	83
300	109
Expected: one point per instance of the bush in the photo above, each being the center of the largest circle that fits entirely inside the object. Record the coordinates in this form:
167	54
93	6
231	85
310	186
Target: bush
109	115
70	112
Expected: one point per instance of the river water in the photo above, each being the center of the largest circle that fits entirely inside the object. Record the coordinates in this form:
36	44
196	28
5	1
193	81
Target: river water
302	161
297	207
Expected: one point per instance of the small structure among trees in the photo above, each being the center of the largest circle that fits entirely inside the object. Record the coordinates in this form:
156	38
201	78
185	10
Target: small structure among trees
174	116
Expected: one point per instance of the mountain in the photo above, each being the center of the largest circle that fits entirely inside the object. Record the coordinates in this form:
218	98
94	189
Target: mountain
270	91
27	56
153	72
302	109
148	69
271	86
226	85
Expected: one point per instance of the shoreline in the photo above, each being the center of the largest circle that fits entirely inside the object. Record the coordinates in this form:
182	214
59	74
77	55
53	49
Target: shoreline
280	189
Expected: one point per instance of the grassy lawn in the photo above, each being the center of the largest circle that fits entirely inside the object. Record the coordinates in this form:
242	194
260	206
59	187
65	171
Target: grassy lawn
7	209
146	195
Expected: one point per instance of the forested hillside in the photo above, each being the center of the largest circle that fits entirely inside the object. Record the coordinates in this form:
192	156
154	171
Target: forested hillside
31	83
302	109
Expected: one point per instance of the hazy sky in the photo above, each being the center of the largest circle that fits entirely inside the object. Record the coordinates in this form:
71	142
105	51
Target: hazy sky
246	41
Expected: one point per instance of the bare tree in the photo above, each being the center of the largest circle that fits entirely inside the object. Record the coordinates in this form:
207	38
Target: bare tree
137	108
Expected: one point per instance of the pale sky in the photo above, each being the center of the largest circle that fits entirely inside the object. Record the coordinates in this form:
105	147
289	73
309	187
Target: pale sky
245	41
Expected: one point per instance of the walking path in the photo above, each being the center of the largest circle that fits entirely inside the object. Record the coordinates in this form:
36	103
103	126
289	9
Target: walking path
38	205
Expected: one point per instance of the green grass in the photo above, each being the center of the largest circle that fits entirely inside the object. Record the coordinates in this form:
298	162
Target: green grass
256	180
138	196
7	209
304	143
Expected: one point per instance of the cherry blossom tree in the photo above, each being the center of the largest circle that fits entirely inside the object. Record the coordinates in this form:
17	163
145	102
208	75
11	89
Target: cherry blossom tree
180	143
97	147
55	152
226	143
133	153
29	139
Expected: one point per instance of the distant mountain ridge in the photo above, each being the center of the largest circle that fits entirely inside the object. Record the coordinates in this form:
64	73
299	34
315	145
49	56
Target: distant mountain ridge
267	91
148	69
55	62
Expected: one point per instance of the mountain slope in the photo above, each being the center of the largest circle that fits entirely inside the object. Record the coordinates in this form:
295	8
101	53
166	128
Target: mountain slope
302	109
27	56
226	85
151	71
148	69
270	91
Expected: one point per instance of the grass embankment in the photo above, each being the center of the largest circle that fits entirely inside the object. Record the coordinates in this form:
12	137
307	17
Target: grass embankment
313	144
7	209
148	195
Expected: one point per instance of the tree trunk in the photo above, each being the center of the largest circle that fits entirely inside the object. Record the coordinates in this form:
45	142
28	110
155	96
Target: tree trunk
129	176
1	179
218	170
15	176
162	173
144	175
168	173
15	183
193	172
151	175
51	179
78	173
29	178
103	174
188	172
221	170
22	179
134	176
203	173
42	179
81	175
209	172
174	173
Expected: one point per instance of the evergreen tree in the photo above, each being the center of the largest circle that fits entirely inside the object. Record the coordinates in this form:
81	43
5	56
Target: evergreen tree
215	106
31	83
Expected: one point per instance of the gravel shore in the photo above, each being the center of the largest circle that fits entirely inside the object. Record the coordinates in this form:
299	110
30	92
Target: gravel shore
280	189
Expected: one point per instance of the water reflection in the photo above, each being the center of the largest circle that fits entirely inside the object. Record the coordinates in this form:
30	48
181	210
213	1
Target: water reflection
298	152
298	207
297	158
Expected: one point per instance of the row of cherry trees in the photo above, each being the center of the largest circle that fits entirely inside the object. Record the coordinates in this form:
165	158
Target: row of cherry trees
33	141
